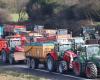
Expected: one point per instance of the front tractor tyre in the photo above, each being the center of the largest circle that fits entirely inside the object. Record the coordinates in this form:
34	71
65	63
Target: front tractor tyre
3	56
91	70
62	67
50	64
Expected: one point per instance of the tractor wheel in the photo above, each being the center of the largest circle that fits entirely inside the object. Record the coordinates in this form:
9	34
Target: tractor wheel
77	68
3	56
63	67
28	62
34	63
11	59
91	70
50	64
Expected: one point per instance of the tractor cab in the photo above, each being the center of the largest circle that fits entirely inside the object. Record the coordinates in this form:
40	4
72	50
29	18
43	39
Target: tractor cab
89	52
61	48
14	41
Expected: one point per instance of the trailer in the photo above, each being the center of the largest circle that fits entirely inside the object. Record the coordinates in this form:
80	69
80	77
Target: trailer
37	52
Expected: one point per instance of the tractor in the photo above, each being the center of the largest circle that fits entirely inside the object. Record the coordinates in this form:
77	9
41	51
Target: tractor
13	50
61	58
87	61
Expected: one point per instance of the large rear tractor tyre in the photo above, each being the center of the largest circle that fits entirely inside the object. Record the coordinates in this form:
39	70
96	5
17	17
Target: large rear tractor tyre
50	64
28	62
3	56
34	63
63	67
11	59
77	68
91	71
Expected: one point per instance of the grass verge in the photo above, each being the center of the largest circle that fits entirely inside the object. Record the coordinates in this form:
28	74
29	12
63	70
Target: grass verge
10	75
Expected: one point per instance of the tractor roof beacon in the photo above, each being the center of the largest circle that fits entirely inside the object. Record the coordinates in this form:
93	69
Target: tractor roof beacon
87	61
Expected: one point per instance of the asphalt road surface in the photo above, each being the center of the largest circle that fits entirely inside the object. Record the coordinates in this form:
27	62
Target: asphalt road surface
42	73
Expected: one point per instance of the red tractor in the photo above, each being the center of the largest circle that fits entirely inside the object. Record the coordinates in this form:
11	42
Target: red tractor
3	49
61	58
13	49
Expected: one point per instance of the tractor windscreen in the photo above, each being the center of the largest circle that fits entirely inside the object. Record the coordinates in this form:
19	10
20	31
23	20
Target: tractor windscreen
92	50
64	47
15	42
79	40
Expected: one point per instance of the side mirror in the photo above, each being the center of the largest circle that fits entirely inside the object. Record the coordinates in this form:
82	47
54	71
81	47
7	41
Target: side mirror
78	53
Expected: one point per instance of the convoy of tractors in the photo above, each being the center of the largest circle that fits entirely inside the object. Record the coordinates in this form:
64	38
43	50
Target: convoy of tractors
58	51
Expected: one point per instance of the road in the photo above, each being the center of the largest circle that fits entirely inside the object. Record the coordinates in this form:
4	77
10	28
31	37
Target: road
41	73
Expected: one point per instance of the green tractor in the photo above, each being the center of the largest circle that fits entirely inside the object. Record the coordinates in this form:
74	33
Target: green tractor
87	61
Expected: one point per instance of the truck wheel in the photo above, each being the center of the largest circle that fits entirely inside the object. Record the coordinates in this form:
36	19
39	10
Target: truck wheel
50	64
3	56
28	62
91	70
63	67
77	68
34	63
11	59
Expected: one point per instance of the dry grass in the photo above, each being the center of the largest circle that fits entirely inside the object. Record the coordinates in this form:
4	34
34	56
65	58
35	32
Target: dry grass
10	75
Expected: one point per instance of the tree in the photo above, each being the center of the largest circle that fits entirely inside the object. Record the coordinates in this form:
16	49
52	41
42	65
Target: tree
15	6
88	9
40	9
4	16
2	4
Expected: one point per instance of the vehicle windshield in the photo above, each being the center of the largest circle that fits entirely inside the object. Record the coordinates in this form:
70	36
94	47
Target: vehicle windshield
79	40
89	51
64	47
62	31
89	30
15	42
92	50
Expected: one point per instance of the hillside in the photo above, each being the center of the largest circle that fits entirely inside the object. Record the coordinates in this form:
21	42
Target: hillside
69	14
11	7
